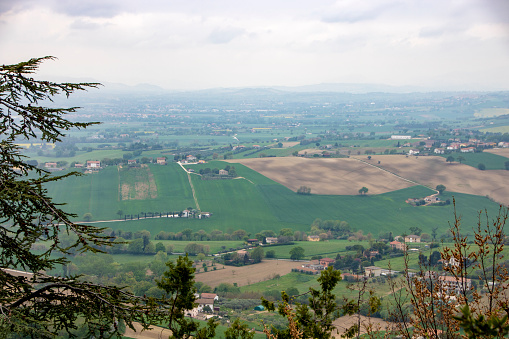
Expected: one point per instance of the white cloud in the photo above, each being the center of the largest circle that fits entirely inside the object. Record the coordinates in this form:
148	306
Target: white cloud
232	43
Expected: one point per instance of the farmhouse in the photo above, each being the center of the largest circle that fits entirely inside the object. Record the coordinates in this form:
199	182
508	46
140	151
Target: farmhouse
313	265
209	296
223	172
204	215
468	150
326	262
449	284
432	199
439	151
398	245
372	271
412	238
50	165
93	164
413	152
313	238
161	161
271	240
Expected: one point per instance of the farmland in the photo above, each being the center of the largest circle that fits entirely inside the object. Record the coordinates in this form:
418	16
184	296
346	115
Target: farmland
432	171
327	176
255	202
490	159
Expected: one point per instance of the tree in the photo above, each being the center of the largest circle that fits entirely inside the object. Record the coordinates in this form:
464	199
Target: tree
238	330
440	188
120	213
450	159
415	230
257	254
87	217
363	190
297	253
39	304
232	172
304	190
434	302
178	283
481	166
316	319
461	159
506	164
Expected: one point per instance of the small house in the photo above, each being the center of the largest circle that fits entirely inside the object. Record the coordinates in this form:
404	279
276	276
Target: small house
92	164
313	238
412	238
209	296
161	161
50	165
398	245
223	172
372	271
326	262
271	240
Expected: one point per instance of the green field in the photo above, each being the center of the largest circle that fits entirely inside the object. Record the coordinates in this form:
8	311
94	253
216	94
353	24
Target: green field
253	204
490	160
328	248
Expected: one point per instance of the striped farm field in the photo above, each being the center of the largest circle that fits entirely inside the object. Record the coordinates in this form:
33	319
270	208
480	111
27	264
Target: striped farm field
99	194
255	202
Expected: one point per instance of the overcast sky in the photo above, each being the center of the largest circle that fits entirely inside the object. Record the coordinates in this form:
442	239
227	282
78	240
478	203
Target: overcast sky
193	44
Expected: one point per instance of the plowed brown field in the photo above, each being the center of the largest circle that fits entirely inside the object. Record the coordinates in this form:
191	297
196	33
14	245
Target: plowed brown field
344	176
337	176
246	275
432	171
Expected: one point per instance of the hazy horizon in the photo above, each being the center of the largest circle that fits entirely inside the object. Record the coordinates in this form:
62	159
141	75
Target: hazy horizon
192	45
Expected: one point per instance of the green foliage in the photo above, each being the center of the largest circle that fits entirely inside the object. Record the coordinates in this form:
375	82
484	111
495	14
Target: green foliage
313	320
178	283
297	253
440	188
238	330
481	326
304	190
491	160
38	304
363	190
257	254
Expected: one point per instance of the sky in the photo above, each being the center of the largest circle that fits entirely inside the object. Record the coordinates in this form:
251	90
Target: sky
197	44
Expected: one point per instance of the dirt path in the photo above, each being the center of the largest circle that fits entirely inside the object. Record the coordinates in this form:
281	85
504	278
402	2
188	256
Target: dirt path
192	187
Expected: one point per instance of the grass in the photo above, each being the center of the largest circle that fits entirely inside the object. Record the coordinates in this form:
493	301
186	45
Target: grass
490	160
324	248
255	203
214	246
98	193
